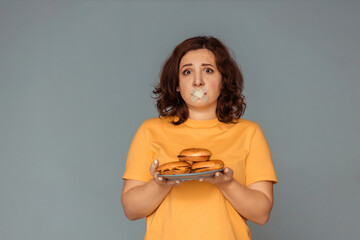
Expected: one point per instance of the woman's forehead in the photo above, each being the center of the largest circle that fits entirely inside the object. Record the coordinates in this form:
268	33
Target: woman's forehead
198	56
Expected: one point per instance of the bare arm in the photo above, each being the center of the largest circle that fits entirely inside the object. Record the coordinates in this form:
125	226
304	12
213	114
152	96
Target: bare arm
140	199
254	202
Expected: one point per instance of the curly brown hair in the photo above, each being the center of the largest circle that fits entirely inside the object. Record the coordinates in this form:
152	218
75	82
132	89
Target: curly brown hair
231	102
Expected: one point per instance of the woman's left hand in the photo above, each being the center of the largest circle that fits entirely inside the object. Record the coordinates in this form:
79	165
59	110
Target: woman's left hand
220	178
253	202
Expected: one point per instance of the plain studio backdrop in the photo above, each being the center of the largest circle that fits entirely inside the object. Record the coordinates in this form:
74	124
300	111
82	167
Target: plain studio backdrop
75	84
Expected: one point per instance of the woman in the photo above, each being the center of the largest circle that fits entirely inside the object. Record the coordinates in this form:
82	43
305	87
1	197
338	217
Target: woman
200	101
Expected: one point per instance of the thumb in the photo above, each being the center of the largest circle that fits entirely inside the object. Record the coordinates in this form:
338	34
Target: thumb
154	165
228	172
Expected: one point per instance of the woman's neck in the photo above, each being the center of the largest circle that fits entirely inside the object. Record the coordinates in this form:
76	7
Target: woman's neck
199	114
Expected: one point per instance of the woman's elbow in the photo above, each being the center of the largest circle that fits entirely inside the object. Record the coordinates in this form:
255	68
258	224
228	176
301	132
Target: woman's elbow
127	210
131	217
262	220
264	214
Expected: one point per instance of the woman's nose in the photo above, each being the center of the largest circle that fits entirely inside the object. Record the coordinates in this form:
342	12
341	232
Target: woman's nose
198	81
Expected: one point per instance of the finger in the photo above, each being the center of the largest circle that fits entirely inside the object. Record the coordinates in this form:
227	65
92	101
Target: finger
211	179
157	178
170	182
162	181
228	172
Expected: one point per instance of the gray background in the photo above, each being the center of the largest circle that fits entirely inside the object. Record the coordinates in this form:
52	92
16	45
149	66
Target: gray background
75	84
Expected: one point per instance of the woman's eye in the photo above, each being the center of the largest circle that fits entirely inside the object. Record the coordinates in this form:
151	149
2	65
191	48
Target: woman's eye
209	70
186	72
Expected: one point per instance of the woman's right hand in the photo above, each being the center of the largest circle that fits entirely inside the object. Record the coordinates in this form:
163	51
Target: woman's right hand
160	180
140	199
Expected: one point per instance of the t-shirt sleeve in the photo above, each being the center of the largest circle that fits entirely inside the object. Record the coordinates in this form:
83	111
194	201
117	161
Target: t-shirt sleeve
139	157
259	165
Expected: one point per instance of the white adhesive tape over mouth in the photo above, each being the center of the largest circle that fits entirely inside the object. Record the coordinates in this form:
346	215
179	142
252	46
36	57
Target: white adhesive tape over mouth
199	94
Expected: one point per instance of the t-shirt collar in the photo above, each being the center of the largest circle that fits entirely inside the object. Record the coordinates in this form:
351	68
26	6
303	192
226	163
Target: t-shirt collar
202	123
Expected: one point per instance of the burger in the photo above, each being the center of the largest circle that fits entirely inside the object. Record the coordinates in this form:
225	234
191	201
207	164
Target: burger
194	155
206	166
173	168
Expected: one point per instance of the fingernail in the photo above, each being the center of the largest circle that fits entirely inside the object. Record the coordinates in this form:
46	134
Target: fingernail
177	181
159	178
156	161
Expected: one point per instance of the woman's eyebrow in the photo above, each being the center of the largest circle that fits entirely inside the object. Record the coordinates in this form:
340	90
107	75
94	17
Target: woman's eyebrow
207	64
203	64
187	65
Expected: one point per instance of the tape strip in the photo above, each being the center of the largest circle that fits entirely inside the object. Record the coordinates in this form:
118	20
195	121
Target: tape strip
199	94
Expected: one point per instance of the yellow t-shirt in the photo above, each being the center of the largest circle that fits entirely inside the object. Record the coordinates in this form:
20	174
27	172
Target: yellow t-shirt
198	210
